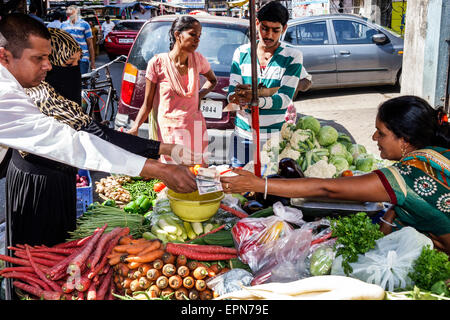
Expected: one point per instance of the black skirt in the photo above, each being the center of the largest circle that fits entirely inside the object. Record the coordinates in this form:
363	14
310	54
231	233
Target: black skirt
40	201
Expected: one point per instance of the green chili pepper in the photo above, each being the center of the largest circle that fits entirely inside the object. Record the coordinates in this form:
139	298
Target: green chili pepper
140	199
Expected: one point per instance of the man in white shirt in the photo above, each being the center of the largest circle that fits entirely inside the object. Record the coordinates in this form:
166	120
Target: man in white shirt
24	64
107	27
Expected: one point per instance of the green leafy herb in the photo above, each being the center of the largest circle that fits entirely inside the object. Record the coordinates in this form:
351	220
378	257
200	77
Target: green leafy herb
356	234
430	267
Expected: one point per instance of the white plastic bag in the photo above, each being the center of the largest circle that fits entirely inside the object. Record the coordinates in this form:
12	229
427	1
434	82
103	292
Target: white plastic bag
389	263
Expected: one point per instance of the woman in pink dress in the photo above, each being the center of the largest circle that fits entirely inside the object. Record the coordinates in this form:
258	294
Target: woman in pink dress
173	80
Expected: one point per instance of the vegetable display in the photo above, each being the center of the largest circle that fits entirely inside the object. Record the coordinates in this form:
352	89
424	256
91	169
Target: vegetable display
320	151
74	270
149	270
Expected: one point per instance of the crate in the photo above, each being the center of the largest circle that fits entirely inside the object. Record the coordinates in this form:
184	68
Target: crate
84	194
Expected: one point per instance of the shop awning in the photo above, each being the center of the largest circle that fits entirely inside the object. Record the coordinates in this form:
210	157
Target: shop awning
238	3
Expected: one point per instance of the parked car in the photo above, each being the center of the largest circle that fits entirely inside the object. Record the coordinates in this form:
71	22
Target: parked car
220	37
342	50
121	38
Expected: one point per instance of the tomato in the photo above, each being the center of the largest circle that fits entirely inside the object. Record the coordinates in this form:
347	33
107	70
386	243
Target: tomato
159	186
347	173
194	169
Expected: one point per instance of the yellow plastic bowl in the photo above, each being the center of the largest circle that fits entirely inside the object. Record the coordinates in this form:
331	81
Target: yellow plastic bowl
193	207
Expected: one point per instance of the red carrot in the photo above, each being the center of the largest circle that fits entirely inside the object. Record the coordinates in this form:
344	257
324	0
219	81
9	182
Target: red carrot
43	294
21	262
59	268
45	255
207	248
82	283
74	243
63	251
45	262
77	262
27	276
197	255
40	273
105	285
91	294
112	243
210	232
69	285
17	269
102	243
235	212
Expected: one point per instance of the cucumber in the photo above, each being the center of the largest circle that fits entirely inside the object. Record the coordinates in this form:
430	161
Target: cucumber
190	233
197	227
164	224
262	213
208	227
219	238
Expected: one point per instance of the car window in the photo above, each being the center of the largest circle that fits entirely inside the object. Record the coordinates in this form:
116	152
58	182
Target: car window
128	25
217	44
352	32
313	33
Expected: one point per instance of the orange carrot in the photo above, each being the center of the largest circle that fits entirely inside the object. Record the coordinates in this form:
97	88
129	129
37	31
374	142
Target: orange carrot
206	294
188	282
154	291
181	260
153	245
183	271
175	281
200	284
158	264
162	282
169	270
134	264
200	273
168	258
181	294
149	257
153	274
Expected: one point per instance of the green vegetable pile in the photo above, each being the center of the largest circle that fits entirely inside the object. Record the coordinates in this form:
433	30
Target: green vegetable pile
97	215
356	234
431	270
307	142
137	188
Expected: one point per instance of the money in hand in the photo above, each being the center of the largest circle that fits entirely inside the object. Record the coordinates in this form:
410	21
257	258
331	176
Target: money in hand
208	181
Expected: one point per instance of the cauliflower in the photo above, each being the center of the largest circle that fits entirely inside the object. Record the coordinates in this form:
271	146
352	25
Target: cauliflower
286	130
288	152
320	169
299	135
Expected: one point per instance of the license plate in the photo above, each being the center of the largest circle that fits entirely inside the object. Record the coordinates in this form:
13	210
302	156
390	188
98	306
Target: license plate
126	40
211	108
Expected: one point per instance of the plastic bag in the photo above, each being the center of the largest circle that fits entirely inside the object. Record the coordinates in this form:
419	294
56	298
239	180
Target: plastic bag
389	263
251	235
283	260
321	258
230	281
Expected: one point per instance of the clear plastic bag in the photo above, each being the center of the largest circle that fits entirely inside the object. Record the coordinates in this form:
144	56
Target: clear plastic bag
252	236
389	263
230	281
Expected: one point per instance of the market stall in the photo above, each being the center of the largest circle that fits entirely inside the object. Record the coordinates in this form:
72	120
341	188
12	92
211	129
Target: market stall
146	242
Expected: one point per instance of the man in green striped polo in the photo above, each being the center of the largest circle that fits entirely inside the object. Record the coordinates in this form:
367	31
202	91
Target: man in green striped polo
279	68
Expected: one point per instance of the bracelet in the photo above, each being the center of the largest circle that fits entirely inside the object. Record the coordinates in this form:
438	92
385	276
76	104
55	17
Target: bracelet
265	190
391	224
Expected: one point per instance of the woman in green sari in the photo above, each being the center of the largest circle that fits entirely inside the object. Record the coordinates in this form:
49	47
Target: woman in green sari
408	131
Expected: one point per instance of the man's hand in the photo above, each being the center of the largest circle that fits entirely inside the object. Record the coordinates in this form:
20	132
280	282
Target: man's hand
175	177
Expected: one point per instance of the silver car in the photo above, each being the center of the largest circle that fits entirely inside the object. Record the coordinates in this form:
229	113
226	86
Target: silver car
342	50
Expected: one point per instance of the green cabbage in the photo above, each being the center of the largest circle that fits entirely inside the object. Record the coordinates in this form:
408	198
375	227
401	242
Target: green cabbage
327	136
349	158
340	163
365	162
309	122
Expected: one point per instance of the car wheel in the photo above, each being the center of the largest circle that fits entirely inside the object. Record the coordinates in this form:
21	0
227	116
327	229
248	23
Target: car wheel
399	79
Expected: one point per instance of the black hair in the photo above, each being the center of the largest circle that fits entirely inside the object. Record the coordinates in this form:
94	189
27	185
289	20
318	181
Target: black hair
107	18
180	24
273	11
15	30
413	119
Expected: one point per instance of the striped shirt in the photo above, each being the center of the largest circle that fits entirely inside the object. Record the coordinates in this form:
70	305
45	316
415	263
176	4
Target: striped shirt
283	70
81	31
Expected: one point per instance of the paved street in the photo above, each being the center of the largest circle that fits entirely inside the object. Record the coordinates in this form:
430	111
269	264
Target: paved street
349	110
